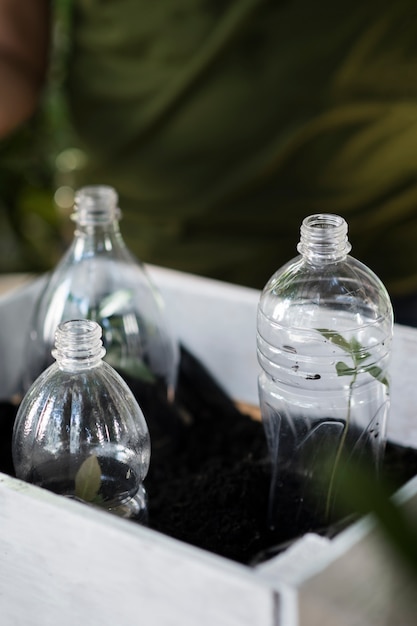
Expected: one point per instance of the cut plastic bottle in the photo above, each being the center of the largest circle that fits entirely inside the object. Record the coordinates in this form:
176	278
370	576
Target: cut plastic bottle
324	332
79	431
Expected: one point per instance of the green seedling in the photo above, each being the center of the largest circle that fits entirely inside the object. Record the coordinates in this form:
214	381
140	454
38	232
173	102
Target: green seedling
358	355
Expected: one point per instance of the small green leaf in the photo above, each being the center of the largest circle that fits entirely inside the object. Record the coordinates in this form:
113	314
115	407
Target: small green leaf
335	338
358	351
344	370
355	346
88	479
377	373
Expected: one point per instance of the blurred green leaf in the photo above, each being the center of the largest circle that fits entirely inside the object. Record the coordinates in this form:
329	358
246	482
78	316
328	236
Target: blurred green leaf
131	367
360	492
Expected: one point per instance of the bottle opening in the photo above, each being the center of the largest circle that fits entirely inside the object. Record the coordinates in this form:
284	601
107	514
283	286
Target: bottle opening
324	237
334	225
325	221
78	342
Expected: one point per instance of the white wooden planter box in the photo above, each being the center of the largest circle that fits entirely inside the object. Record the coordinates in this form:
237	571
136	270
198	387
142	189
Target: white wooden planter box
63	563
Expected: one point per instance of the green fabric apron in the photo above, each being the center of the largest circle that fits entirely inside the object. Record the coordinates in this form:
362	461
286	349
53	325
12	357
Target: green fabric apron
223	123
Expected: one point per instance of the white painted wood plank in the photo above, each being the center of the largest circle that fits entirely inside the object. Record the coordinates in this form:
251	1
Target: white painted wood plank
66	563
356	579
217	321
402	423
365	585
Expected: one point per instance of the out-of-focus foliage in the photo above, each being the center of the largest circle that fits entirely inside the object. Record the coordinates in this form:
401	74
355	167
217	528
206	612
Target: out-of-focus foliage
361	492
31	236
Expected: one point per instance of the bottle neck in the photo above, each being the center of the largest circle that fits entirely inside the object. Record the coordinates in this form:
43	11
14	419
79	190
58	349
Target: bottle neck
78	345
96	215
324	238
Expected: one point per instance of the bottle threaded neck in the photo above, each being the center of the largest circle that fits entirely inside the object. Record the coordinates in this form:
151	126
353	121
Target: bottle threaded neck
96	205
78	344
324	238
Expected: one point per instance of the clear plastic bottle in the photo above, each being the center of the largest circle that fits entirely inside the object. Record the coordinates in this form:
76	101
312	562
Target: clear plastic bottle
324	331
79	431
99	279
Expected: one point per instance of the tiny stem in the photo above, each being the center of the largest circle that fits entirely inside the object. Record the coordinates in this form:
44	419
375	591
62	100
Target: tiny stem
340	447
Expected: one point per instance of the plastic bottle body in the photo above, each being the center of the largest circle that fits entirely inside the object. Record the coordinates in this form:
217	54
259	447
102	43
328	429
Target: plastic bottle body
80	432
99	279
324	340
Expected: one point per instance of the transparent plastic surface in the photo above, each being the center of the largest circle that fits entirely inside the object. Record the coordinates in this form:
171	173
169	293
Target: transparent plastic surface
99	279
79	431
324	332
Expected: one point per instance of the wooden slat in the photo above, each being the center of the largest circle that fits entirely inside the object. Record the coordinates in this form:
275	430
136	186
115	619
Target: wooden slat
62	562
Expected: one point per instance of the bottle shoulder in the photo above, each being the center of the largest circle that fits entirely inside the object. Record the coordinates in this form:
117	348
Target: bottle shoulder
299	275
348	286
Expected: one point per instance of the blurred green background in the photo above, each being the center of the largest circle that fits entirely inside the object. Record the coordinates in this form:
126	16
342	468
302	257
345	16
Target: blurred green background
36	164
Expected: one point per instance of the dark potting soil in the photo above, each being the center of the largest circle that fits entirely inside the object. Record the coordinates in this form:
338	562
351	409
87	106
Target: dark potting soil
210	486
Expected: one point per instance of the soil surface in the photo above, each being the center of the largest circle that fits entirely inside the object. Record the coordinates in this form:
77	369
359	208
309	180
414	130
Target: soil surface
209	485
